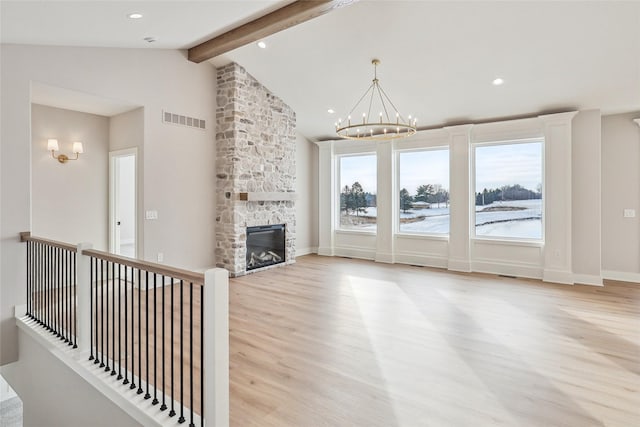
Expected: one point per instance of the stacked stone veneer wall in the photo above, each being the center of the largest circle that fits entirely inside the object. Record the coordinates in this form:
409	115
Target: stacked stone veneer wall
255	149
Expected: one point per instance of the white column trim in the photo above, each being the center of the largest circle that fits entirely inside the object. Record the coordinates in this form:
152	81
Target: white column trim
326	199
557	253
386	198
460	210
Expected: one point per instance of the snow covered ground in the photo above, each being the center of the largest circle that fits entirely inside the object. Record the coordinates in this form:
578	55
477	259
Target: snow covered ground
525	223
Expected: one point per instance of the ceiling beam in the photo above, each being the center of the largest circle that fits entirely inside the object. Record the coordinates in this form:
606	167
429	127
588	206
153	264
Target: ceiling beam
287	16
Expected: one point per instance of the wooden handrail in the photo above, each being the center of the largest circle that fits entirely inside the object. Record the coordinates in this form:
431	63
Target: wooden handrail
26	236
176	273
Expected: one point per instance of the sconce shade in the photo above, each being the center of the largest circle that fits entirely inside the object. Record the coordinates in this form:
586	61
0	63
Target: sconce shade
52	145
77	148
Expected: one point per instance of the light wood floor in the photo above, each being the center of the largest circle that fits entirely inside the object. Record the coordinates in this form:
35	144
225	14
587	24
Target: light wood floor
338	342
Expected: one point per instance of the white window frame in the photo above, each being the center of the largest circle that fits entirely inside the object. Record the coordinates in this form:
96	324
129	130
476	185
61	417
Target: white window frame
472	188
338	190
396	208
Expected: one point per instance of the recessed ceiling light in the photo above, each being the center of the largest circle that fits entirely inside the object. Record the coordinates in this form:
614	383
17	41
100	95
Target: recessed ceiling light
134	15
498	81
330	111
262	45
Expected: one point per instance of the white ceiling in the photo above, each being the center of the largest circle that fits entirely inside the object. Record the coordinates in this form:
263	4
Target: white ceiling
438	58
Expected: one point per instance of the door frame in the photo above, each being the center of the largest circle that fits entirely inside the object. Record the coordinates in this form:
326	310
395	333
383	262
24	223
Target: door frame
113	184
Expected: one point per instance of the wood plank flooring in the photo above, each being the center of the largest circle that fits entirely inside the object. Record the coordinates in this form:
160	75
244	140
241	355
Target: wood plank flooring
339	342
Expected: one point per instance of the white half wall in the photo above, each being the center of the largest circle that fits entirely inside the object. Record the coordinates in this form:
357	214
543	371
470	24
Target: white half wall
53	395
70	199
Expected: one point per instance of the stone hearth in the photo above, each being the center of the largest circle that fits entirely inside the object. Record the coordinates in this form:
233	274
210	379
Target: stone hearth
255	152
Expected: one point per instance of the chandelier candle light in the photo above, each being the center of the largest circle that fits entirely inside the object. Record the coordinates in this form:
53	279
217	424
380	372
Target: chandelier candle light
385	127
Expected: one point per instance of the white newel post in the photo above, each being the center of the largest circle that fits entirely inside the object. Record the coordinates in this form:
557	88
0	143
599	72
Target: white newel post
216	347
83	310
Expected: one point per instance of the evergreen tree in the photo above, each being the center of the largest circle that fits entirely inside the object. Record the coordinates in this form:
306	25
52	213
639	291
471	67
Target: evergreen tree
405	200
358	198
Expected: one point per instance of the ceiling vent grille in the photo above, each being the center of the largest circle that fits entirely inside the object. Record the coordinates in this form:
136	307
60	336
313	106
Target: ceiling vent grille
180	120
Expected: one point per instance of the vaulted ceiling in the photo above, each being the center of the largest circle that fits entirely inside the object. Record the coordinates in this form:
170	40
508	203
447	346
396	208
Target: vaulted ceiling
438	58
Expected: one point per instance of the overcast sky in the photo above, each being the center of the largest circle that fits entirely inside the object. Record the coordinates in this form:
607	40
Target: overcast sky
496	165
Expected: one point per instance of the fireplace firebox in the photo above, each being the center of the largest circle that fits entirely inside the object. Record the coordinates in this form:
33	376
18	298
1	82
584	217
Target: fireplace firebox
265	246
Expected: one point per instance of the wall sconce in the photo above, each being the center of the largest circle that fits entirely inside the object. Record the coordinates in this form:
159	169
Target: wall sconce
52	145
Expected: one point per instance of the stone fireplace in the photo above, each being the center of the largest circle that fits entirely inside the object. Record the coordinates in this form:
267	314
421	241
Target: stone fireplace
255	167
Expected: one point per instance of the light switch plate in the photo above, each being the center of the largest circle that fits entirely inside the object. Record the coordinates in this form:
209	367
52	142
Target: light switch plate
629	213
151	215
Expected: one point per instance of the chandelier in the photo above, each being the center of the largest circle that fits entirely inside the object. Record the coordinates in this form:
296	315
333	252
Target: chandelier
389	124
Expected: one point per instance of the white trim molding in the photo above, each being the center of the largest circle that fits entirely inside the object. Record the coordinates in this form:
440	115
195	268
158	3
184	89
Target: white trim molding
587	279
621	276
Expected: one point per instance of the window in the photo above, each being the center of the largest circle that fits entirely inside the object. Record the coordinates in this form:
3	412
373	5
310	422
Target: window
508	190
424	191
358	183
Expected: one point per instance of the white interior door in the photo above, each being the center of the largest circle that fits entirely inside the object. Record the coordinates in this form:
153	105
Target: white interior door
122	201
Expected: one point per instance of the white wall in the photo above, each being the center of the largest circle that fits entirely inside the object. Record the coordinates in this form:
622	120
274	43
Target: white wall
53	395
69	200
620	190
178	161
307	190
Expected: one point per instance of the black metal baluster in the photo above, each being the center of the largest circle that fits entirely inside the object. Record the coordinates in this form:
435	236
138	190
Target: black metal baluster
57	293
113	318
155	341
191	352
91	262
172	412
106	315
164	390
133	346
41	274
47	285
126	336
74	258
102	313
139	391
119	321
28	278
52	290
181	419
146	306
201	355
65	282
95	293
65	298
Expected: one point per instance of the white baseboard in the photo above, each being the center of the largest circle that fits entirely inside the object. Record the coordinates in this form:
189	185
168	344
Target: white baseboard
328	251
508	269
587	279
463	266
557	276
421	260
622	276
306	251
386	258
351	252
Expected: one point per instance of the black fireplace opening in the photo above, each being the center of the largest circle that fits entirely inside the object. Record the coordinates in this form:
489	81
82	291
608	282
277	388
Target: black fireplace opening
265	246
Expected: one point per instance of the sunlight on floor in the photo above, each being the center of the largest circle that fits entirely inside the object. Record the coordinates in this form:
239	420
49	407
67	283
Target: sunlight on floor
407	345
